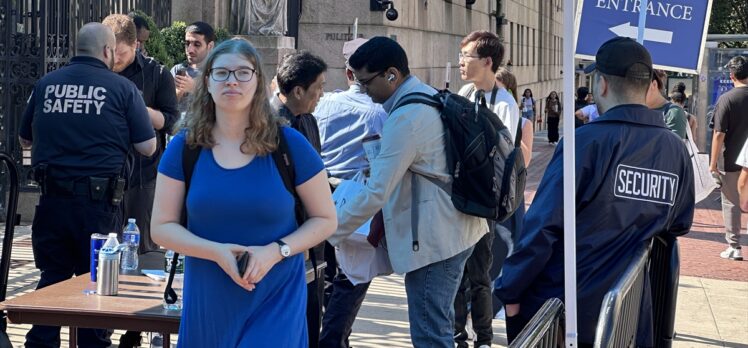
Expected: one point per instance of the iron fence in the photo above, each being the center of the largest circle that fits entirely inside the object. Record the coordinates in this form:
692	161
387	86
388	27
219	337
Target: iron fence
619	314
38	36
545	329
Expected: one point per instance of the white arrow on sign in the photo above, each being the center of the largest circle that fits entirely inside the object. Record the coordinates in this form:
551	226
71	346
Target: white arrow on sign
654	35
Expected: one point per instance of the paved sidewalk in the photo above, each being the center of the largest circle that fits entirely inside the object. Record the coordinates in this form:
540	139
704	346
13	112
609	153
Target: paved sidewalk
712	309
710	313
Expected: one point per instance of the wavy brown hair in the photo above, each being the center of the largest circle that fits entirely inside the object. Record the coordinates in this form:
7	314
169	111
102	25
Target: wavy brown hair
262	133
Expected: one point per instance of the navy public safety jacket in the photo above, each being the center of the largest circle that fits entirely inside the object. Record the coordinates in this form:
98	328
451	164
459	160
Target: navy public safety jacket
634	181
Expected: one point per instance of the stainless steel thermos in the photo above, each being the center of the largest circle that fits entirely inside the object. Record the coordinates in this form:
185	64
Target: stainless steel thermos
107	280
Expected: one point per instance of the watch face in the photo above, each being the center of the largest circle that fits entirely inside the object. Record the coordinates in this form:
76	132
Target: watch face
286	251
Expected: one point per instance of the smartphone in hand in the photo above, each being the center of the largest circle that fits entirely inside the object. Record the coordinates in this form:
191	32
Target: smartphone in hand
242	262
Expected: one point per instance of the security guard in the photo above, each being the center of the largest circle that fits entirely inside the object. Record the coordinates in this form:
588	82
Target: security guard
81	120
634	182
156	85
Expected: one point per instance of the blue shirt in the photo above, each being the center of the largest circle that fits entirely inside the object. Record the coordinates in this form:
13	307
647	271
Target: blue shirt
634	181
247	206
344	119
82	120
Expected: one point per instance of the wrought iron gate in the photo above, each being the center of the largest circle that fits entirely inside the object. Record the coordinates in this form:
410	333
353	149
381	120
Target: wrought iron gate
38	36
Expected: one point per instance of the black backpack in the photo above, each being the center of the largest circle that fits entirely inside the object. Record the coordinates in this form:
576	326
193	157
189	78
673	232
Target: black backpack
284	163
488	171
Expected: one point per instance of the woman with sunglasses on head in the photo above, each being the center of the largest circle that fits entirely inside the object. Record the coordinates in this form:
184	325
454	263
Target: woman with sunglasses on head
237	202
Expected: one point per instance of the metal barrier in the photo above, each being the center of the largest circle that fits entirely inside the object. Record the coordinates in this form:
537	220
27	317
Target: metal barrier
664	270
619	313
545	329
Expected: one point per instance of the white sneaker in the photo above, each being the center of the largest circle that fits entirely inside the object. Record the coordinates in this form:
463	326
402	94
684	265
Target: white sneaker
484	346
732	254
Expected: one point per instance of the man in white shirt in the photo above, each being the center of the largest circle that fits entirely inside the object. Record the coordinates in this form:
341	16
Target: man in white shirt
588	113
481	52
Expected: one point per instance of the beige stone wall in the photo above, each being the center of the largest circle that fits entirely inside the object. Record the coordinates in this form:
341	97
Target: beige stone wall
534	42
429	31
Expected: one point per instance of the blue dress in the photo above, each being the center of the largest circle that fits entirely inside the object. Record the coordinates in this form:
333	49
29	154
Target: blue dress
245	206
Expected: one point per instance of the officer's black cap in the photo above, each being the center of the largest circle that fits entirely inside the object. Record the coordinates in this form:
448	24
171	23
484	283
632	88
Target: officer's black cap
617	55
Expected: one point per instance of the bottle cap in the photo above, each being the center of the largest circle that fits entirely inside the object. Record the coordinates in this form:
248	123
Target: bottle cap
131	220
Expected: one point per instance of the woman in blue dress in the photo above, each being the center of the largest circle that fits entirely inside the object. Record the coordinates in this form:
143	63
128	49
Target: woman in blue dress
237	202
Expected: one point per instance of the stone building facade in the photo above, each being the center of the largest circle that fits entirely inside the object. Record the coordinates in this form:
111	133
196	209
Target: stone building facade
429	30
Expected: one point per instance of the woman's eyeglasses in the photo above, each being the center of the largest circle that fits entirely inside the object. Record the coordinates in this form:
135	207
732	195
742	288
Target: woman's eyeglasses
223	74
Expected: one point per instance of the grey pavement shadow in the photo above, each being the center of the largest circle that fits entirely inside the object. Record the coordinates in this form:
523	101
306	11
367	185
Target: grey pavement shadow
697	339
707	236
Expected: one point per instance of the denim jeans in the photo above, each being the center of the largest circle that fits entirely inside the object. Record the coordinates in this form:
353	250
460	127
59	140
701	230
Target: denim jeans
476	288
431	293
341	311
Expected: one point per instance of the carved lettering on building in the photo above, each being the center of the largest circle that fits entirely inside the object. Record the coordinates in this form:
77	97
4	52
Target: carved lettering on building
340	36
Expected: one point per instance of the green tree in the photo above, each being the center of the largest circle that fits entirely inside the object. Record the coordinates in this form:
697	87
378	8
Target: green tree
729	17
155	44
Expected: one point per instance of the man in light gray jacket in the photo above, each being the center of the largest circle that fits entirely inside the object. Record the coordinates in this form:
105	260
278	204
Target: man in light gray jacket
427	238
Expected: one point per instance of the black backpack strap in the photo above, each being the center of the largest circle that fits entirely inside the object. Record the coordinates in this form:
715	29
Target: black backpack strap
284	162
419	98
518	138
190	154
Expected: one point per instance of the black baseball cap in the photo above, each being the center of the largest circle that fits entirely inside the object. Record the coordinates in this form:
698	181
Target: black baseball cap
617	55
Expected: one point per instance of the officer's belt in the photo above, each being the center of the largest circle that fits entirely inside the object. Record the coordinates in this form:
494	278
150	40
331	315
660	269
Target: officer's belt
96	188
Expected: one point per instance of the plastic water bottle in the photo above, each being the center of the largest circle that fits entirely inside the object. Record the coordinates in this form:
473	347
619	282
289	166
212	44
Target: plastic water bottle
178	282
131	241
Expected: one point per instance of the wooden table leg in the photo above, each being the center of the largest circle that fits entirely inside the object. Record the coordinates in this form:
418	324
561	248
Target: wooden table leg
73	337
167	340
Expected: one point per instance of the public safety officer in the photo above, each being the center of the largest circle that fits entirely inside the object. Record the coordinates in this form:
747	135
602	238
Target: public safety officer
81	121
634	181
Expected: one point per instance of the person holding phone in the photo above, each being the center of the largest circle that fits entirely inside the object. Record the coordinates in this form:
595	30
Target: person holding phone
199	39
238	203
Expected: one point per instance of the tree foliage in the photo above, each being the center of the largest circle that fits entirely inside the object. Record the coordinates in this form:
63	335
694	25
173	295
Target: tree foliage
155	44
729	17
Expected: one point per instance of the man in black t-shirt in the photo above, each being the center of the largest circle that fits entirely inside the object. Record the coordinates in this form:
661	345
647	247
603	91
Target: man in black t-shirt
731	130
81	121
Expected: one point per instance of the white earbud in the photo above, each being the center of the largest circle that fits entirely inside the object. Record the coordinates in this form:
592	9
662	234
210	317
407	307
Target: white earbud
391	78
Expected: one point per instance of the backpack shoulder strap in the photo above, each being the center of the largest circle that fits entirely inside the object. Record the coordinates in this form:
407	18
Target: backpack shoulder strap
190	154
284	162
518	138
419	98
470	90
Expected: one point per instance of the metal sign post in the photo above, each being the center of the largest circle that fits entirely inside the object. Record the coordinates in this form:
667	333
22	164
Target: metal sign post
570	218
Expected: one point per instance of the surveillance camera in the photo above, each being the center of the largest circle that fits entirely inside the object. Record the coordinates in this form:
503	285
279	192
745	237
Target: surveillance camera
391	13
470	2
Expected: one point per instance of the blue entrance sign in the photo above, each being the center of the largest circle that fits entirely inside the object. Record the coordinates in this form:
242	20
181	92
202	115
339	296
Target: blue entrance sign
675	30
